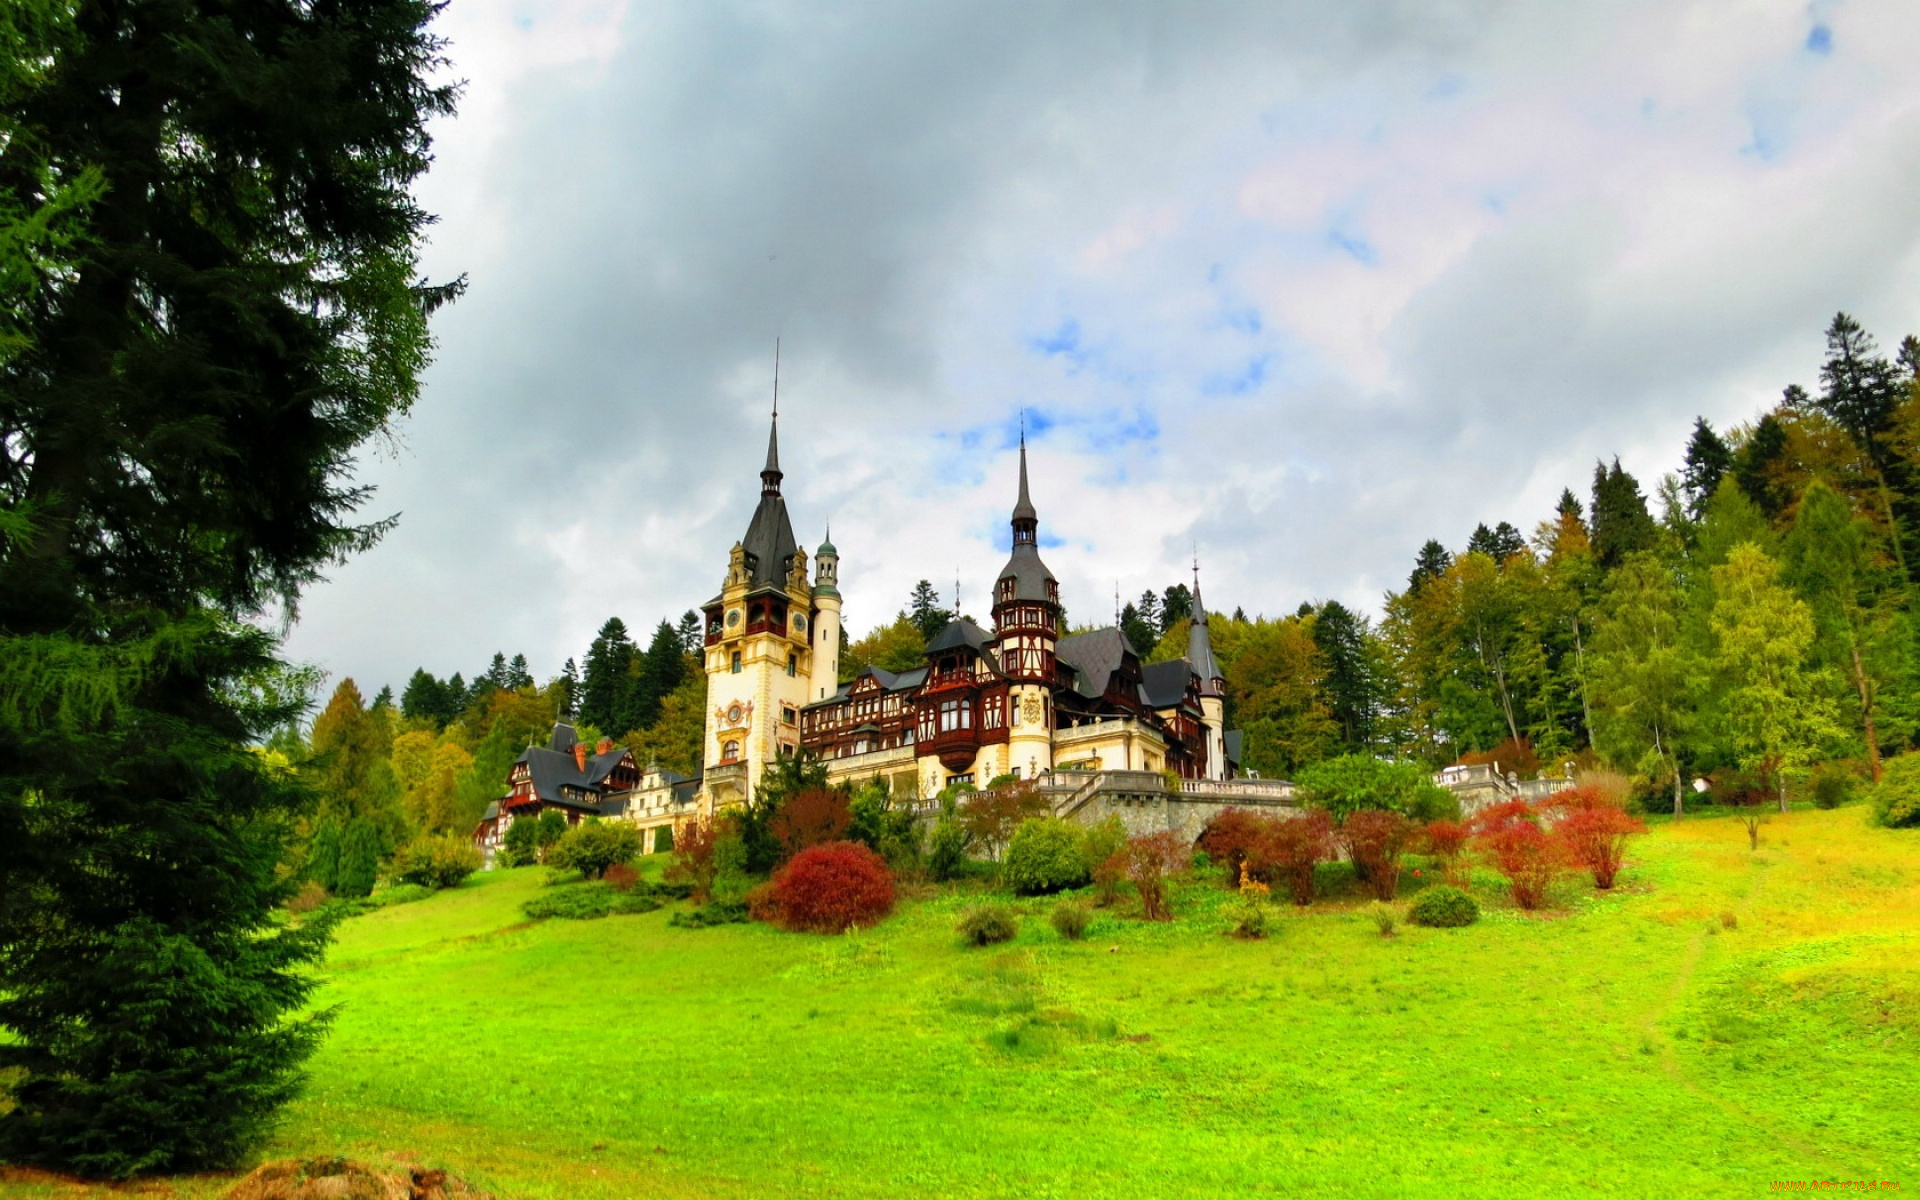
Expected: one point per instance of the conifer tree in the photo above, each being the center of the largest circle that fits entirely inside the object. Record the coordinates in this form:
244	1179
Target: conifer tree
1176	605
1643	670
569	682
518	675
1432	562
1709	458
1621	523
661	670
185	381
1351	692
691	640
923	606
606	692
1758	466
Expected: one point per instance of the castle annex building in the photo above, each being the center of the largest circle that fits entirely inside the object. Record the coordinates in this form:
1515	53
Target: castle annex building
1018	700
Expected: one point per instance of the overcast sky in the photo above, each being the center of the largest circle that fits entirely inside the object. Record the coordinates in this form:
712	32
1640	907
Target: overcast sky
1299	285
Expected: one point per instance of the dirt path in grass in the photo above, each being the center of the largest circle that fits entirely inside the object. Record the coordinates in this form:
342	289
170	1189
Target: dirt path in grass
1670	1059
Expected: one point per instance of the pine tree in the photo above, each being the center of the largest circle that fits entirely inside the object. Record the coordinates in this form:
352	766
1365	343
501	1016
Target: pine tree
1758	465
518	675
1176	605
425	698
1709	458
323	854
1351	693
1149	609
1621	523
1500	543
606	693
1643	671
1431	563
923	606
1569	506
661	670
383	700
569	691
1140	631
691	640
183	386
359	859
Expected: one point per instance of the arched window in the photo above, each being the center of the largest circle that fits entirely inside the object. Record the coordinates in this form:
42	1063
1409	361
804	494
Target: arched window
730	752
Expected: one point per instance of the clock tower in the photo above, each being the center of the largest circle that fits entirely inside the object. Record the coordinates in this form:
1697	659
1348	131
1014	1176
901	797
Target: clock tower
759	648
1026	618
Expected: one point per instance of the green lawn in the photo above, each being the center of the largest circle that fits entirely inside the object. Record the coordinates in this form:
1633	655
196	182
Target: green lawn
1626	1042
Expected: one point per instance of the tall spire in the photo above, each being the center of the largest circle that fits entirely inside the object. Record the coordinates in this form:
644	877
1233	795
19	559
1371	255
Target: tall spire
770	474
1026	520
1200	643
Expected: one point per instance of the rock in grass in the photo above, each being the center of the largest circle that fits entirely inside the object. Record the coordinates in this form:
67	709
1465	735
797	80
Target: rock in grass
344	1179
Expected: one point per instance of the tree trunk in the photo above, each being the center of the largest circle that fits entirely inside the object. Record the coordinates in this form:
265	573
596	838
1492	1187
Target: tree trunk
1659	747
1866	708
1586	706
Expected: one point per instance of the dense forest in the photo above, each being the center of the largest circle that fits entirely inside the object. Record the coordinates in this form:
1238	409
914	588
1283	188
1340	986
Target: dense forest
1745	619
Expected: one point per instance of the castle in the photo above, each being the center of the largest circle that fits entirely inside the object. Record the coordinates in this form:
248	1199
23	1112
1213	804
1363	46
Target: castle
1022	701
1018	701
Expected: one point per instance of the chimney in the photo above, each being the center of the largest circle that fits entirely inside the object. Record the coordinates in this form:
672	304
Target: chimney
580	756
605	745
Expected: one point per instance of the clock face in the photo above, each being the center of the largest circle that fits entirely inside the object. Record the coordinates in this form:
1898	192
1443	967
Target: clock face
734	713
733	618
799	623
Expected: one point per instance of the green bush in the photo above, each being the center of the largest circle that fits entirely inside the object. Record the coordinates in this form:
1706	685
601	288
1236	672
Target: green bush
1250	918
1070	919
1384	917
1044	855
1443	907
988	924
587	901
594	845
720	912
1896	798
1832	786
399	893
522	848
1353	782
436	862
947	848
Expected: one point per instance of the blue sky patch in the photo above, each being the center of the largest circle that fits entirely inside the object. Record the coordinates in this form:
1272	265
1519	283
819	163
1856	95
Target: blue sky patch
1355	247
1248	379
1820	40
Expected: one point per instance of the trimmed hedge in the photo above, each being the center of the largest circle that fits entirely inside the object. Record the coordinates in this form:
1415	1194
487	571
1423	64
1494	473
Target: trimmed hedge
1443	906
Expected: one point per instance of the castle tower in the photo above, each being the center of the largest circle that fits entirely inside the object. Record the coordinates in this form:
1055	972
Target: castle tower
1213	686
826	620
1026	618
759	655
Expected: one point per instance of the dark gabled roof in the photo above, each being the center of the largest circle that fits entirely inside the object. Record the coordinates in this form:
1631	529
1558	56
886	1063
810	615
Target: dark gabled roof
686	791
958	633
668	776
1094	656
552	771
493	810
599	766
1235	741
1200	645
1164	684
564	738
612	806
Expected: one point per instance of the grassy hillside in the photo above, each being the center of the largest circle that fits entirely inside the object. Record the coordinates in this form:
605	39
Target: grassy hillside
1629	1041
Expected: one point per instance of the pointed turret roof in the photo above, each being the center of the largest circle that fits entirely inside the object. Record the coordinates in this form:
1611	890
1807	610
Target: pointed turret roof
1032	579
770	542
1200	645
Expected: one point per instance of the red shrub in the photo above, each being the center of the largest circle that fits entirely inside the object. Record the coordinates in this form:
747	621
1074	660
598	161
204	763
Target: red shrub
1228	838
1375	840
833	887
1148	861
622	877
1510	836
694	839
1582	796
1596	838
812	817
1444	840
763	904
1289	849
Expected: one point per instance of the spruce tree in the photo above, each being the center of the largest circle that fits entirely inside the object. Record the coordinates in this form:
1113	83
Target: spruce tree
518	675
188	363
1709	458
1757	468
1621	523
424	698
1176	605
661	670
1431	563
1348	687
569	691
923	606
606	693
692	641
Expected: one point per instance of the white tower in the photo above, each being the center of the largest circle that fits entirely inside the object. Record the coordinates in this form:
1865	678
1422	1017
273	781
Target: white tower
826	621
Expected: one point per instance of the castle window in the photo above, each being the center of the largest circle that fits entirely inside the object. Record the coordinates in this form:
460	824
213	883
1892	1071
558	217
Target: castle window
730	752
788	715
793	665
736	662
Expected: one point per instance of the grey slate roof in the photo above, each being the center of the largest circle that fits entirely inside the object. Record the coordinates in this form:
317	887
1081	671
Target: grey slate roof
1200	645
769	542
1094	656
1236	741
1030	576
1164	684
961	632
